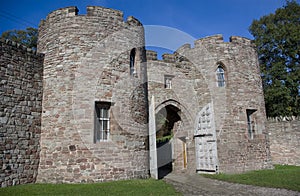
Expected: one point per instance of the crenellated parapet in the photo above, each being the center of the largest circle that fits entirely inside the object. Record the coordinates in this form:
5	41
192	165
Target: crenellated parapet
63	12
207	43
92	11
21	47
151	55
218	39
97	24
166	58
59	14
241	40
133	21
214	41
105	15
104	12
169	58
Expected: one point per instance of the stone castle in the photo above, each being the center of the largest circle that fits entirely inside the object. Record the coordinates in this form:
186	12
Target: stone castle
93	105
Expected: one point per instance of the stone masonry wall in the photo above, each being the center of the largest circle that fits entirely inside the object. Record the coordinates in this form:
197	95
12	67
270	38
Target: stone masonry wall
20	113
284	141
87	59
237	152
188	93
194	84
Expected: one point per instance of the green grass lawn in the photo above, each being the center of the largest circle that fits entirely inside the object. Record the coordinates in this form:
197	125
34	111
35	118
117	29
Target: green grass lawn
283	176
128	187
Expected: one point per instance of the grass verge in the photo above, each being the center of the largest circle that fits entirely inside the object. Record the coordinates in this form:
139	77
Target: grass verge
282	176
127	187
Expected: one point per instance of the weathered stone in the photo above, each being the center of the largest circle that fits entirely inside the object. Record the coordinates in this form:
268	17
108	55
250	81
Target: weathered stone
284	137
83	69
87	60
17	69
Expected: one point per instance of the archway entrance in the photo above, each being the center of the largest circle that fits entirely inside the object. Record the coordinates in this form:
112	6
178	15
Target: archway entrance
166	119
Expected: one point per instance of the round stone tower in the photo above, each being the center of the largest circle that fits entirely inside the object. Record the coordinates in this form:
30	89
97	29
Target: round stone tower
94	120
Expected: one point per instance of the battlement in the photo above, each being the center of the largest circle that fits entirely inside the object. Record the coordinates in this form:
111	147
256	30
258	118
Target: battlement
133	21
63	12
20	46
183	48
240	40
91	11
167	58
151	55
103	13
218	39
215	40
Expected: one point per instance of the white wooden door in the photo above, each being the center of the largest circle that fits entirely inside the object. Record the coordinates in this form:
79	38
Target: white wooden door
205	141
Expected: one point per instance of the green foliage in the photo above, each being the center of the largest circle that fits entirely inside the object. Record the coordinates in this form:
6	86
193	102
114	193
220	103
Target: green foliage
26	37
128	187
283	176
162	126
278	44
164	138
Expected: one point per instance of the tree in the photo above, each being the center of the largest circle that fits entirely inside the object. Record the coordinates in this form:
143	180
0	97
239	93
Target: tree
277	37
26	37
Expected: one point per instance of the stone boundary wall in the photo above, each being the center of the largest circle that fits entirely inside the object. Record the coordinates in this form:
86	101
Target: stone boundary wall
20	113
284	137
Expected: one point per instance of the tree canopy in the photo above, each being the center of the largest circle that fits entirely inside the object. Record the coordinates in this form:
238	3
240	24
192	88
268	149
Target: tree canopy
277	37
26	37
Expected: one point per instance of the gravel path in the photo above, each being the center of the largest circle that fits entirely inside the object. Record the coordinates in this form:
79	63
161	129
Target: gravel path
198	185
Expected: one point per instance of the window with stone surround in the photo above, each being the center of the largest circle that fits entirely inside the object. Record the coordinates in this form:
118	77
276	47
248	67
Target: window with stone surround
132	62
102	118
168	81
220	74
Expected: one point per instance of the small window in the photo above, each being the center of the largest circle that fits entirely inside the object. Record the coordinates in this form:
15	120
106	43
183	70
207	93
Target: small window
168	81
251	123
132	62
220	76
102	117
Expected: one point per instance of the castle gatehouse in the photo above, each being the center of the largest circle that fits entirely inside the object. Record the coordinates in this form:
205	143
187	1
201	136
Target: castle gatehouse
112	110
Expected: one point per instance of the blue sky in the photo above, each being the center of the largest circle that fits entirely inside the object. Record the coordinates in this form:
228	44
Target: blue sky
197	18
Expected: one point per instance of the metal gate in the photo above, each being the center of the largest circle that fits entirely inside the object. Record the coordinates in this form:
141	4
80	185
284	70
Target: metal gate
205	141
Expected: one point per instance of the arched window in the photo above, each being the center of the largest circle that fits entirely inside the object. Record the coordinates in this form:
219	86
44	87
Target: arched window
132	60
220	76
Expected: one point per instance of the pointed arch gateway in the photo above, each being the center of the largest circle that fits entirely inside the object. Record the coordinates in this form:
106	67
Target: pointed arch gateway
171	134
